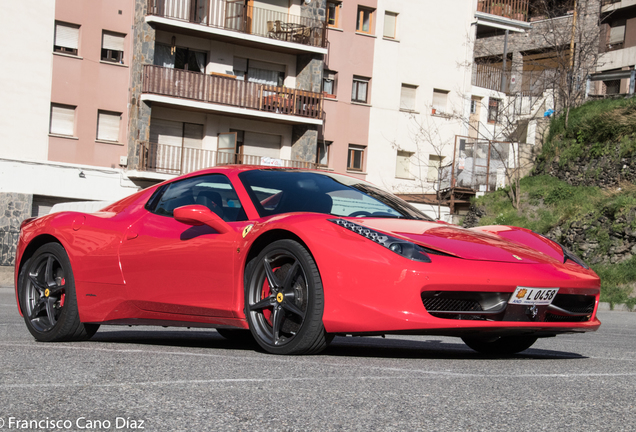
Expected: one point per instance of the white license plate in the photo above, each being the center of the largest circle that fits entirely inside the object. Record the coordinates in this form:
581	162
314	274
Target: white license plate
533	296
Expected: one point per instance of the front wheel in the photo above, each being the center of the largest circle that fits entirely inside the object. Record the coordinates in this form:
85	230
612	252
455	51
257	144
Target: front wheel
502	346
47	297
284	300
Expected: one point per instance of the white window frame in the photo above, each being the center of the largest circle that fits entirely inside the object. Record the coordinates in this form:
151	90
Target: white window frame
408	97
66	38
390	23
403	165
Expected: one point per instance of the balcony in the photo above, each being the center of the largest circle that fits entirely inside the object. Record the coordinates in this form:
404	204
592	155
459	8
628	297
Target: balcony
513	9
220	93
529	82
233	19
175	160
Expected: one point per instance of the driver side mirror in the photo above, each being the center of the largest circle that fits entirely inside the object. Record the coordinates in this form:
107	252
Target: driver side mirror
197	215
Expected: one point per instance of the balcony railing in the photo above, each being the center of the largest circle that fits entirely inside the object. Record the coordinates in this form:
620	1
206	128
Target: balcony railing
230	91
529	82
236	16
513	9
171	159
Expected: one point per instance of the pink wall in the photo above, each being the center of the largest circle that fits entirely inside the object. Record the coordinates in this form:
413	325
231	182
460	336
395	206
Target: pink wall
90	84
349	54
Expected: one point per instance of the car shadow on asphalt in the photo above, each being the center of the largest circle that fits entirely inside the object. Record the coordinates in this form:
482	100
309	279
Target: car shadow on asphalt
371	347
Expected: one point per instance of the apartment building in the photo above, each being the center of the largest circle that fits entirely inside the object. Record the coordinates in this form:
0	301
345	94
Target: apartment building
63	131
217	82
617	61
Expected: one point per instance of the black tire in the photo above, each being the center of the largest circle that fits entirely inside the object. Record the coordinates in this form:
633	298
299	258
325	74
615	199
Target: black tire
48	299
500	346
284	300
236	335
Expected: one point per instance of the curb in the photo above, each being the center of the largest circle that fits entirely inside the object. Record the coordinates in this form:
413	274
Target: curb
619	307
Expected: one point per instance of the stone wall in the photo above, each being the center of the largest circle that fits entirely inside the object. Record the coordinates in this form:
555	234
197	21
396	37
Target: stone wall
14	208
139	112
604	172
305	143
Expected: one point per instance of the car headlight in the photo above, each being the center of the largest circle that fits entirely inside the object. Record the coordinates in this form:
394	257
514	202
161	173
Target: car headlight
401	247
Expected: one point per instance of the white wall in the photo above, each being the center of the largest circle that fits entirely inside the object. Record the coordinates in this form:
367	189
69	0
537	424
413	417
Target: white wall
26	31
58	179
432	50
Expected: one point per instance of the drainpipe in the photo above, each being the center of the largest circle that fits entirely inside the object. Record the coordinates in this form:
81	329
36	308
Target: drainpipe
505	58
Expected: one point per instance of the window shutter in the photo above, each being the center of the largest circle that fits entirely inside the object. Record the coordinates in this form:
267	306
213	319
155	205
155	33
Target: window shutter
62	120
66	36
440	98
617	34
108	126
389	24
193	135
407	97
113	41
403	165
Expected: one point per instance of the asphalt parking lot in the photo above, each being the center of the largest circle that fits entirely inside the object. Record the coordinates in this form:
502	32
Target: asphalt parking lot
187	380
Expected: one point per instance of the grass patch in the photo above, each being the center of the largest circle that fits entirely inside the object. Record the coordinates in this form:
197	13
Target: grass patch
617	282
592	128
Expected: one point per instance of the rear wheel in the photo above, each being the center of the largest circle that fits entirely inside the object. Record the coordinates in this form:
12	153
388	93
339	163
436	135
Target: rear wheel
504	345
284	300
47	297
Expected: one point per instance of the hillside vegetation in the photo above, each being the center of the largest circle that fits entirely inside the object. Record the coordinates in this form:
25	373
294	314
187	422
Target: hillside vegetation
583	193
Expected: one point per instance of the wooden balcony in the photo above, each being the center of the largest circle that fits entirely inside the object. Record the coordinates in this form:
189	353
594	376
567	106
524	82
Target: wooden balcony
234	15
171	159
233	92
513	9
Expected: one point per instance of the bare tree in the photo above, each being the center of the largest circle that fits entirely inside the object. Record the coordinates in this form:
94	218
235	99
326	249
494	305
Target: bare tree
428	140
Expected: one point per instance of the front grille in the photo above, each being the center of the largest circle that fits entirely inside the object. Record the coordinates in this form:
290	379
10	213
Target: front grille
562	318
444	304
492	306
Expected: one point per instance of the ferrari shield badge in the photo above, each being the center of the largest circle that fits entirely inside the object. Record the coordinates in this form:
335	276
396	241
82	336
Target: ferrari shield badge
247	229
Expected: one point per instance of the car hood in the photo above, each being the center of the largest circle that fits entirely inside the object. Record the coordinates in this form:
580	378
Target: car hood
461	242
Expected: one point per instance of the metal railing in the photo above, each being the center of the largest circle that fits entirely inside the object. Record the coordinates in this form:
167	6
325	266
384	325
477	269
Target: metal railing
528	82
171	159
236	16
513	9
231	91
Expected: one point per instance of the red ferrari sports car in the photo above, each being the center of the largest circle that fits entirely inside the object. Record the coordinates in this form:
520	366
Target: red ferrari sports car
292	258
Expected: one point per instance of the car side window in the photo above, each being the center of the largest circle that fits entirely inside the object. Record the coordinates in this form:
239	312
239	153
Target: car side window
213	191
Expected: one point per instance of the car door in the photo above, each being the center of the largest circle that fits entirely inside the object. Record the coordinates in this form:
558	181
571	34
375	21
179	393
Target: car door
172	267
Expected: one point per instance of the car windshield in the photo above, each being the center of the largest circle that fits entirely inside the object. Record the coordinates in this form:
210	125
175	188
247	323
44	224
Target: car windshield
286	191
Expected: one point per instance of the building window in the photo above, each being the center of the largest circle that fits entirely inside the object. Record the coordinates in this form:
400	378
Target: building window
440	101
62	120
390	22
322	155
360	89
407	97
403	165
473	106
329	83
333	13
616	35
113	47
108	126
66	38
355	158
493	110
364	23
434	167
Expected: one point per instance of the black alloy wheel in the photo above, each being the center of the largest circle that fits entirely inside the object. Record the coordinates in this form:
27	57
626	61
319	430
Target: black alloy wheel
284	300
500	346
47	297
